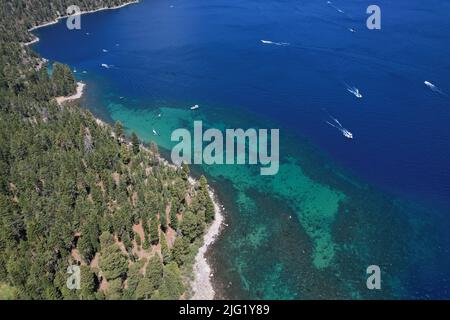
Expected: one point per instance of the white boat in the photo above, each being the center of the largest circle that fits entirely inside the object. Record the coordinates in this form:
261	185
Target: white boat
357	93
195	107
104	50
354	91
345	132
155	133
159	115
104	65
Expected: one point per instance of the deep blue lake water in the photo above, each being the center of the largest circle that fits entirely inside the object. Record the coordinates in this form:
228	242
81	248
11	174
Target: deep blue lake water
338	205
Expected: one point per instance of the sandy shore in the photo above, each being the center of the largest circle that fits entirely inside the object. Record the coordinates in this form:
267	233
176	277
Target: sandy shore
46	24
201	284
77	95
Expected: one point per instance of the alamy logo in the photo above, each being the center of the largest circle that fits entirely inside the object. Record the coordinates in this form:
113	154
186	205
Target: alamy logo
74	280
374	20
73	18
241	147
374	280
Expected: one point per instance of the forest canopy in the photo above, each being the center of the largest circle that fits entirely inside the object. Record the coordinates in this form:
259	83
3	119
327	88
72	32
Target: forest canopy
77	192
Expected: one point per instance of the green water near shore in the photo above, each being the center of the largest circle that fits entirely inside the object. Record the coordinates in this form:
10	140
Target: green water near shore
308	232
315	204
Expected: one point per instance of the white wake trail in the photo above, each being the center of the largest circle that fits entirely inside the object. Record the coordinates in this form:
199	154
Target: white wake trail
334	7
345	132
435	89
275	43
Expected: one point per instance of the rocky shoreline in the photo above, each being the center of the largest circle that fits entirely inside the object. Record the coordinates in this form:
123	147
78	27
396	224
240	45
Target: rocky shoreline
201	285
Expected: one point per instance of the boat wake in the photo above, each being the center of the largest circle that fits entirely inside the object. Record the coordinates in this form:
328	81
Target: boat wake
275	43
334	7
337	125
353	90
108	66
436	89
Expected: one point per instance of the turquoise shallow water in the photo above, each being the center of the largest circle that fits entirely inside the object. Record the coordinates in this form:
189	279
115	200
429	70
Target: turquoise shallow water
308	232
335	207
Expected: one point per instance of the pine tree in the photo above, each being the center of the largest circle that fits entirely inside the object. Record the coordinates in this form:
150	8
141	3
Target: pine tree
114	291
173	217
172	286
146	244
85	247
125	154
209	210
154	232
154	272
106	239
113	262
185	170
135	143
63	80
137	237
165	251
179	250
134	276
144	289
206	200
191	227
163	219
118	130
87	283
